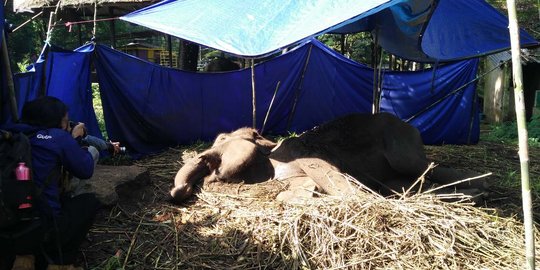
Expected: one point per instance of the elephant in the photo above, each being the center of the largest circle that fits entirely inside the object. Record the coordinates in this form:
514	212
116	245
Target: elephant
379	150
221	64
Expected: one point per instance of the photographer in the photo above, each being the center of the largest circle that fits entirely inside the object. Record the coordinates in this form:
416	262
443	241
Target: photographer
65	219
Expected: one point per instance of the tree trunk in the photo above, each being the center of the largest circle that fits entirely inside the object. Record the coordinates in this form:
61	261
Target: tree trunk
9	79
188	55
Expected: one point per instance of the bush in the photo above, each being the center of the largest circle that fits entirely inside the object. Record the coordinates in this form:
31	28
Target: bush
507	132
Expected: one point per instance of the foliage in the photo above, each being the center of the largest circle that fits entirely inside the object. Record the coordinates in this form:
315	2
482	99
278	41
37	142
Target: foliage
98	108
527	13
113	263
25	43
356	46
507	132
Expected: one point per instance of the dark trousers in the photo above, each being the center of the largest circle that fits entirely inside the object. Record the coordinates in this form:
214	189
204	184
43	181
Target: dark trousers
71	227
61	236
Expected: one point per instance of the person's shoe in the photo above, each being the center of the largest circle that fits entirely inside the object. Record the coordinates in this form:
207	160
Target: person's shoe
24	262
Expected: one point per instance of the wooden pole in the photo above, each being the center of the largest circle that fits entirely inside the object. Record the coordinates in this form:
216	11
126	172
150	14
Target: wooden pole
253	103
299	89
522	135
270	107
9	79
112	25
374	61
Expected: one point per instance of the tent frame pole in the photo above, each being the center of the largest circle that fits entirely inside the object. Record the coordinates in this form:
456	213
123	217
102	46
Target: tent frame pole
9	79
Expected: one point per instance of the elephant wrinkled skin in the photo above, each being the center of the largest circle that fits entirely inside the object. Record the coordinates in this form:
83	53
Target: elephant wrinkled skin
381	151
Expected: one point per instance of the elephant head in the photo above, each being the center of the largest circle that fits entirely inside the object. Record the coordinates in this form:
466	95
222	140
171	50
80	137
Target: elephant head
238	156
248	134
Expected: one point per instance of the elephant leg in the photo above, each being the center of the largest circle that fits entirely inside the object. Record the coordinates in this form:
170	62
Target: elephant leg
404	151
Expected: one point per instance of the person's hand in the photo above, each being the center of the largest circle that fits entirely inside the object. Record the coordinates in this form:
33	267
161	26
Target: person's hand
116	147
78	130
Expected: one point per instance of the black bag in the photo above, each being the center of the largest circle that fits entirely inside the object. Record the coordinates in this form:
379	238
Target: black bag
16	197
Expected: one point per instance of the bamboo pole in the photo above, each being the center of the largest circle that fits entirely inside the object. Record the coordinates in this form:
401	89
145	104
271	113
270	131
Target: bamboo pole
522	134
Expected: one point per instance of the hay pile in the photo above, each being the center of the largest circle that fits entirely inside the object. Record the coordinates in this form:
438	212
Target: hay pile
246	231
364	232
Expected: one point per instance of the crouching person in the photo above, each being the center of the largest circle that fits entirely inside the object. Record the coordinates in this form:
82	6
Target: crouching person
65	219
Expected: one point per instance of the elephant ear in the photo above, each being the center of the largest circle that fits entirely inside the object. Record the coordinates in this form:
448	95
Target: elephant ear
211	158
263	142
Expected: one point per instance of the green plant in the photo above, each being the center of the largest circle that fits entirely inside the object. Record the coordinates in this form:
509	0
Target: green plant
507	132
113	263
98	108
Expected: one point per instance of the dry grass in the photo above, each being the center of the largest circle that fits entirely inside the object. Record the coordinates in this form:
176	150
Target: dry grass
366	231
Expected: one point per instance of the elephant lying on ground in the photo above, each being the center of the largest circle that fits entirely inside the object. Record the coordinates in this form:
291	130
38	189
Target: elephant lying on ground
381	151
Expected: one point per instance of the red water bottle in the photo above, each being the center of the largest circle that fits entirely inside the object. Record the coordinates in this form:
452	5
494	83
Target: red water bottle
22	173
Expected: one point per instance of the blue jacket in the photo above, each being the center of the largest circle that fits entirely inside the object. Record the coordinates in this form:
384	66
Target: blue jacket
51	148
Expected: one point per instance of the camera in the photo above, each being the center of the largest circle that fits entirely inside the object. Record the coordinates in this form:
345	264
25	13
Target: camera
73	125
114	148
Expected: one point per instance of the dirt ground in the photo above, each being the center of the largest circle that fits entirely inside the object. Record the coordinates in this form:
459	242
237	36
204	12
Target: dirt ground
137	232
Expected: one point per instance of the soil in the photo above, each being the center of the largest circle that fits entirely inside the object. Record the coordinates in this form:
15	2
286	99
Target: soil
118	240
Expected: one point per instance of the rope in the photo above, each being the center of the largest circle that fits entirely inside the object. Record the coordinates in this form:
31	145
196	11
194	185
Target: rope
70	24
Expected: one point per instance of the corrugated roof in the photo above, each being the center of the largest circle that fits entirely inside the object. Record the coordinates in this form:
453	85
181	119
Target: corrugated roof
527	56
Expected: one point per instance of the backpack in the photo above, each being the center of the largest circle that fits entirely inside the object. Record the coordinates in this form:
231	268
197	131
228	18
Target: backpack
16	197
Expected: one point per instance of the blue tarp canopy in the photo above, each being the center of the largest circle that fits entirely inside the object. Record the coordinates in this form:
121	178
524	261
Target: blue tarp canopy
419	30
251	28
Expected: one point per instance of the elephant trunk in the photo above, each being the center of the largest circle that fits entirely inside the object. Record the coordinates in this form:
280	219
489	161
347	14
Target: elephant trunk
190	174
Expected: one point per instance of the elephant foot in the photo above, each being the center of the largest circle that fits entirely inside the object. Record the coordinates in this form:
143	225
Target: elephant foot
300	189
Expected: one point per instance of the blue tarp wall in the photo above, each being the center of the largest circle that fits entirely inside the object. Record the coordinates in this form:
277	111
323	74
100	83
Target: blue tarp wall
65	75
148	107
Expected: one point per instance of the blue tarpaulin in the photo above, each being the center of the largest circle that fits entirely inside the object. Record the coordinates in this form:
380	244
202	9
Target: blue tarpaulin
148	107
419	30
65	75
251	29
